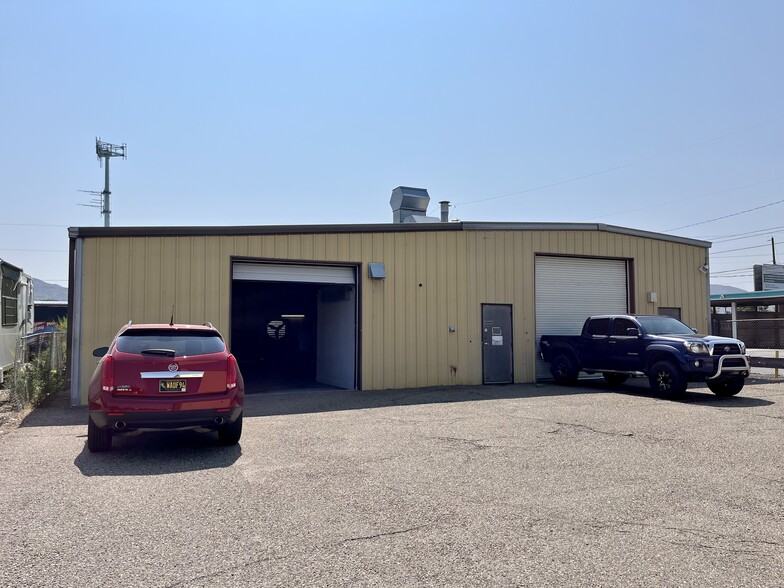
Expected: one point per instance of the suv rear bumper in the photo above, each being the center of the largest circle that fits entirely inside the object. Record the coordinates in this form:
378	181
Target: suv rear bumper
130	421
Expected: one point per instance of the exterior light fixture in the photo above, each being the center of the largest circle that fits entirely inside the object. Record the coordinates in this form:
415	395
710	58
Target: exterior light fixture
376	270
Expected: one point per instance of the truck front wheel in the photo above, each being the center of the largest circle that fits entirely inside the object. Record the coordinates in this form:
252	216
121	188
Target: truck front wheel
728	387
666	379
564	370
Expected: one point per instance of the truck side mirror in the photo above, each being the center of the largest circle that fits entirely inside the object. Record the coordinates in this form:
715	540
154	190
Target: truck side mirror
100	352
632	332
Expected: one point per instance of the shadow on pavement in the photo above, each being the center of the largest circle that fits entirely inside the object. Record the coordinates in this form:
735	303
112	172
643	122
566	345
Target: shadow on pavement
310	401
154	454
697	393
58	412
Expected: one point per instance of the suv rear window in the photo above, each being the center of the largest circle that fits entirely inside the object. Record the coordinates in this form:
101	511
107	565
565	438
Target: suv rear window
170	342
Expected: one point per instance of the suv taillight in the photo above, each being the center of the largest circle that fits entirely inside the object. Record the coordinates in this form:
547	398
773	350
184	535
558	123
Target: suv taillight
231	373
107	374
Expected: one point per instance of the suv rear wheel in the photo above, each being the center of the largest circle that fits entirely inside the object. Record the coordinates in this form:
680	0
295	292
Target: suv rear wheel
230	433
98	440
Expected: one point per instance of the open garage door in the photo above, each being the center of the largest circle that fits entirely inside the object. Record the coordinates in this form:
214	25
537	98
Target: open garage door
294	325
570	289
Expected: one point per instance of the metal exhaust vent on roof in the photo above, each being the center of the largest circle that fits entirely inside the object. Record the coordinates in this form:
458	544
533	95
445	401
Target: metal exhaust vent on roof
409	205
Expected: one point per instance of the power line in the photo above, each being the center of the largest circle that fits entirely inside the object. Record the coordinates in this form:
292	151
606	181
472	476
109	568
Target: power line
37	250
749	235
31	225
727	216
739	256
680	200
617	167
732	274
738	249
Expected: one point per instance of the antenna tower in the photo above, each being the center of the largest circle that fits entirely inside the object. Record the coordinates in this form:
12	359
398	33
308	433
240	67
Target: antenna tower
95	202
106	151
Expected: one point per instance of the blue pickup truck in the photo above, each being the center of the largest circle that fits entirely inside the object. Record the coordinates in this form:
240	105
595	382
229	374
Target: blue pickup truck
669	353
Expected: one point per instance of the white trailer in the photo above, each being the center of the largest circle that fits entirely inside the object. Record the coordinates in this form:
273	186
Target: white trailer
16	312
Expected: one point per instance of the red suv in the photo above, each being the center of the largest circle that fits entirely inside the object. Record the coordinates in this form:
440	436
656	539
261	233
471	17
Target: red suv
165	377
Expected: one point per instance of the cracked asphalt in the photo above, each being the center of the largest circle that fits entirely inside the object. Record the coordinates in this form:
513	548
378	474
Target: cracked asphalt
518	485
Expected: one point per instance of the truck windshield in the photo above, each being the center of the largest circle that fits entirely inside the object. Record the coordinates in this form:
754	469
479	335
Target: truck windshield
663	325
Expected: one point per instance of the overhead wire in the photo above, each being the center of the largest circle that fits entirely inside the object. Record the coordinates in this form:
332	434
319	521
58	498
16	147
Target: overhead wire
621	166
614	168
749	235
727	215
31	225
739	256
36	250
736	272
680	200
739	249
740	269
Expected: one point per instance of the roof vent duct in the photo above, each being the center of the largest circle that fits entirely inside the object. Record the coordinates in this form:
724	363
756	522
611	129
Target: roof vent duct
409	205
444	211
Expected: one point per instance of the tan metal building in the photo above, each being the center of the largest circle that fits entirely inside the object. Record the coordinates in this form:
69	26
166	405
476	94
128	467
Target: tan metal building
373	307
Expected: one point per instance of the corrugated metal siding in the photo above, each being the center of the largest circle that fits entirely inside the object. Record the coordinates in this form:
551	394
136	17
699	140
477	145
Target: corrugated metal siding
405	341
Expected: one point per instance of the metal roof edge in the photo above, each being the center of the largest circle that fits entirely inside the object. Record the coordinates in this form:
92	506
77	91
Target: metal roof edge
764	295
141	231
12	266
76	232
494	226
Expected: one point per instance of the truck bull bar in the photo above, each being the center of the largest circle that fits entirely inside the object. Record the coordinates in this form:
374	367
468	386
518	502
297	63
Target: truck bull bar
720	368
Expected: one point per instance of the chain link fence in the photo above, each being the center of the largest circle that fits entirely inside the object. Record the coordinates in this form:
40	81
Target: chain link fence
764	339
39	368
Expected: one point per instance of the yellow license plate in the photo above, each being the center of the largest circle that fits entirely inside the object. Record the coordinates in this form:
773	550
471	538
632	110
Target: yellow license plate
172	386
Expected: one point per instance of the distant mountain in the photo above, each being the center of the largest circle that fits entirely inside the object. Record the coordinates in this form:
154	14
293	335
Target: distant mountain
719	289
46	291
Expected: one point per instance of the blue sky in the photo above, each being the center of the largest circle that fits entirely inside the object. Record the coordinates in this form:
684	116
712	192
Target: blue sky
255	113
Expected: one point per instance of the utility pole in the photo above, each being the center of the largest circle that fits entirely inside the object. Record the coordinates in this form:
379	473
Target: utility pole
773	247
107	151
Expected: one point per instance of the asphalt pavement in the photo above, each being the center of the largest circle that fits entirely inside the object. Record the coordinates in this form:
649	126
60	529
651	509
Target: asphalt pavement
520	485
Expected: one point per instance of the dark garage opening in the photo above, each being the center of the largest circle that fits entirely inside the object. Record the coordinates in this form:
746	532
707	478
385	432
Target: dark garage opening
276	340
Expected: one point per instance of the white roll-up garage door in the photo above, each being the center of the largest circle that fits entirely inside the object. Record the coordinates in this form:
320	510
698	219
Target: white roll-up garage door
275	272
570	289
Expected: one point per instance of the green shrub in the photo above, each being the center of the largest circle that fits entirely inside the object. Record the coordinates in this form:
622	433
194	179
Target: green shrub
40	377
